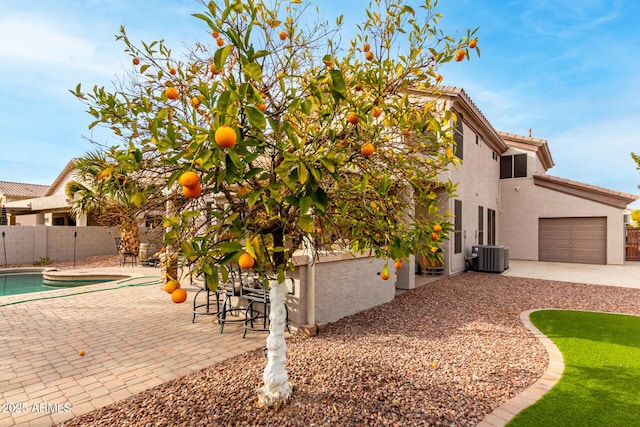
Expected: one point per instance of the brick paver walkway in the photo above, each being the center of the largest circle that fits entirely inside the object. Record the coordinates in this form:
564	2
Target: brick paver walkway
134	338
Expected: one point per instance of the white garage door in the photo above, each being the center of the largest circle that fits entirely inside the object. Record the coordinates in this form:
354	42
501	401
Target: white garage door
577	240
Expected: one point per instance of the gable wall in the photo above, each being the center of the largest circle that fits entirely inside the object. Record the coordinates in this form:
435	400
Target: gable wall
478	186
523	203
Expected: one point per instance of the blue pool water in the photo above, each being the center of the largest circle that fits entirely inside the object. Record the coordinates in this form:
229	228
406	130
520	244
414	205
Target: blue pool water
14	284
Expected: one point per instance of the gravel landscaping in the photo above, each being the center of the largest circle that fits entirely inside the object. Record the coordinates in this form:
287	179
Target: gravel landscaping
447	353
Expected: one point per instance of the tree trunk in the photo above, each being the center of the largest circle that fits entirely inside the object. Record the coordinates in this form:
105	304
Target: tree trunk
276	389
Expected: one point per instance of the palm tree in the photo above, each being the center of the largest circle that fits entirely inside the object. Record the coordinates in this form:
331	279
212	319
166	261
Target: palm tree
111	192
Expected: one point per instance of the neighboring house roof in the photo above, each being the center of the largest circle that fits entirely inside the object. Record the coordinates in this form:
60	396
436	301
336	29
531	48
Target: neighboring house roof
538	146
585	191
20	190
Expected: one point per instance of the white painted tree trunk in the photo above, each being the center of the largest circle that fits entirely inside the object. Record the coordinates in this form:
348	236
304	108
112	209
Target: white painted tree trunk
276	389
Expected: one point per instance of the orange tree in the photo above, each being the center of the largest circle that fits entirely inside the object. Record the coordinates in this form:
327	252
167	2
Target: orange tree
294	139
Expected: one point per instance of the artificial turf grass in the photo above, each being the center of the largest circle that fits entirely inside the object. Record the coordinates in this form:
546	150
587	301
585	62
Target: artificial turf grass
600	385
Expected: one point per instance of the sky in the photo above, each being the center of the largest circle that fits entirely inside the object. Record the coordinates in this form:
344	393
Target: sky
566	69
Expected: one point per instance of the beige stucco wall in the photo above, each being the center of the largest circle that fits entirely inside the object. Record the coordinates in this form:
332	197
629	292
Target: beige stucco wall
523	203
478	178
31	243
344	285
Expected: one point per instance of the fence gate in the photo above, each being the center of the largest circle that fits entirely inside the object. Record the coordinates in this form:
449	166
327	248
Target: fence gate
633	244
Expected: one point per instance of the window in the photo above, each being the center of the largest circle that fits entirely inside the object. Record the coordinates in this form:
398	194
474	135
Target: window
491	225
480	225
513	166
457	137
494	156
457	237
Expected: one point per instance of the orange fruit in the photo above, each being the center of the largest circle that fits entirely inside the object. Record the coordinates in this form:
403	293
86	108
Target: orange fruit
398	264
434	249
385	272
225	136
136	61
192	193
438	78
473	43
376	111
171	286
366	47
214	70
329	64
195	102
358	87
81	352
434	236
262	107
367	149
215	34
246	261
369	56
189	179
449	152
243	191
220	42
460	54
179	295
172	93
353	118
437	228
172	71
283	35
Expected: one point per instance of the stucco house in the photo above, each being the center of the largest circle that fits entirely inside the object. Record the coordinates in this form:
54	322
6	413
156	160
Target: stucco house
11	192
505	197
49	206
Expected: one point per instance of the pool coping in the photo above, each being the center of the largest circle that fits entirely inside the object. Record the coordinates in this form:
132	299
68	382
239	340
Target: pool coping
114	278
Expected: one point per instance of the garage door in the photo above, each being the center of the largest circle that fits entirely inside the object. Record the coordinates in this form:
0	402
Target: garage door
579	240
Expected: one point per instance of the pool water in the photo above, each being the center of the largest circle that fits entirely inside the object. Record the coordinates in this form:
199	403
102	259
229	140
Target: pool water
14	284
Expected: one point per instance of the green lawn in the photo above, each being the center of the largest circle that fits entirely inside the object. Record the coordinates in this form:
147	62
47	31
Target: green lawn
600	385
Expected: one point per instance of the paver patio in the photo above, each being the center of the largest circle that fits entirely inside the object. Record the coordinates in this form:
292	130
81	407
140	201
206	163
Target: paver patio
134	338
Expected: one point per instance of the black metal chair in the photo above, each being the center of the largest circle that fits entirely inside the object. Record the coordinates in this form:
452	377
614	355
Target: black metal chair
204	308
259	306
230	289
125	253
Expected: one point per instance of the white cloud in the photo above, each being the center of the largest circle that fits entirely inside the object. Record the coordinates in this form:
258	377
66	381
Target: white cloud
28	40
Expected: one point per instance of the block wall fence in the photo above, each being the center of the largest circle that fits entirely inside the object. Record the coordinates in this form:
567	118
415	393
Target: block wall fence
26	244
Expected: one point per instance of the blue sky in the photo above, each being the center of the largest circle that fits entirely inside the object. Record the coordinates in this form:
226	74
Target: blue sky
567	69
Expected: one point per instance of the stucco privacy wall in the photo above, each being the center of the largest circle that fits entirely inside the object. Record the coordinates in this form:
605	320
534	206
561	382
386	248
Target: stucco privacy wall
523	203
343	284
29	244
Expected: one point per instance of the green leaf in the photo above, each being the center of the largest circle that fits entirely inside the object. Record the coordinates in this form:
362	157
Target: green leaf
328	164
253	71
230	247
337	82
306	223
137	198
256	117
305	204
303	174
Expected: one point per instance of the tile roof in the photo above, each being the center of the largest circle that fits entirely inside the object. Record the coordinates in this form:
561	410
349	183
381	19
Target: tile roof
20	189
586	191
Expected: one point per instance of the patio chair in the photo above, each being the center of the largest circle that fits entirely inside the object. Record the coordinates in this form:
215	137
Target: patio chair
204	308
231	289
259	306
125	254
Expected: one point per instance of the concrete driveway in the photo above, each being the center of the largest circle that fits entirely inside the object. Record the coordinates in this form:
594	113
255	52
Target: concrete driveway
626	275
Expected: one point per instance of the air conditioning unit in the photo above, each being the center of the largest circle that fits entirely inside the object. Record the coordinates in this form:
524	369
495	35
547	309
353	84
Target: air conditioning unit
492	259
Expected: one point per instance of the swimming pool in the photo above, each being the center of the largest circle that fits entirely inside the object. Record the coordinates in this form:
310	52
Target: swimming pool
25	283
